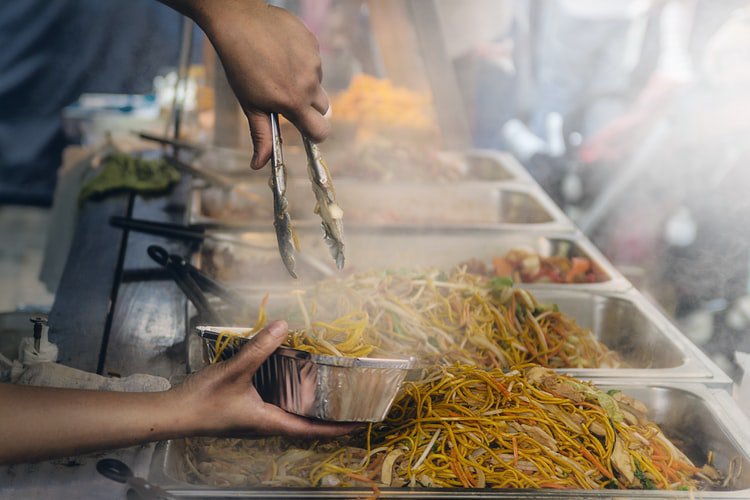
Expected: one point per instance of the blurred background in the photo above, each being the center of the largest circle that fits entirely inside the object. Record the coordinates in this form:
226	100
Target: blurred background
632	115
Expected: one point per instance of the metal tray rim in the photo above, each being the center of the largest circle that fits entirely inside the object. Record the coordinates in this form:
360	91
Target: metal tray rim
559	220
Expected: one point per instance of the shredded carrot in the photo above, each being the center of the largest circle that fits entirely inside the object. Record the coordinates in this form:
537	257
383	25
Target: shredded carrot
591	458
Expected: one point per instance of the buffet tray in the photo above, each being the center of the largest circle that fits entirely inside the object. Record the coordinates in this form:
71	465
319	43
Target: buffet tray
480	164
633	327
703	419
625	322
258	264
408	204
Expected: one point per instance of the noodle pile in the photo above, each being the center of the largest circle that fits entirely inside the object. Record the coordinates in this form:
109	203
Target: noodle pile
464	427
488	414
440	319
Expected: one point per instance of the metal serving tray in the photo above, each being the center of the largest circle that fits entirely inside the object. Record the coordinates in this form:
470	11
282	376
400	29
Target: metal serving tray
626	323
481	164
493	165
701	419
409	204
630	325
393	248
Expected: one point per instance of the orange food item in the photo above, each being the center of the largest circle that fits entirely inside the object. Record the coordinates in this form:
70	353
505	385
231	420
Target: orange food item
502	266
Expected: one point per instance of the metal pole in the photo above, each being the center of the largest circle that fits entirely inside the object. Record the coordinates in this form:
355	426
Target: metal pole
180	87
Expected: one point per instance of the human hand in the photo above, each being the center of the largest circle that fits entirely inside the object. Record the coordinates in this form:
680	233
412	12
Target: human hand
272	63
223	401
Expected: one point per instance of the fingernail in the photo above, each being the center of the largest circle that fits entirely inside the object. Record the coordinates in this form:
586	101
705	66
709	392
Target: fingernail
277	328
254	161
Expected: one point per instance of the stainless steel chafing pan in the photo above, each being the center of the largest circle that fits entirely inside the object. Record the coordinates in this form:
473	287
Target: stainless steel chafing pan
647	341
698	419
479	164
648	344
395	248
472	203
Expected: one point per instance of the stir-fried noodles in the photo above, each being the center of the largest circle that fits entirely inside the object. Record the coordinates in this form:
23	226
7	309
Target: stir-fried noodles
488	414
441	319
468	427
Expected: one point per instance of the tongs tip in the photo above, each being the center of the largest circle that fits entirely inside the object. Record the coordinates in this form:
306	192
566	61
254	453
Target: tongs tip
325	196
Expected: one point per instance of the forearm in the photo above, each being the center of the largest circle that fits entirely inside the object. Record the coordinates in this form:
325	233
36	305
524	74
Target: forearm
40	423
204	12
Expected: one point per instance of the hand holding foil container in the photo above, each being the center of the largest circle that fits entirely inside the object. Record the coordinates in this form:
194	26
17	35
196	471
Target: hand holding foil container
333	388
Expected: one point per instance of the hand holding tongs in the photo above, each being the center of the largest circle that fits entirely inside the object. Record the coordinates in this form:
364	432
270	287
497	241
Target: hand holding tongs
330	213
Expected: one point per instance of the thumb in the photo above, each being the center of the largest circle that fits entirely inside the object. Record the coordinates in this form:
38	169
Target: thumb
260	132
255	352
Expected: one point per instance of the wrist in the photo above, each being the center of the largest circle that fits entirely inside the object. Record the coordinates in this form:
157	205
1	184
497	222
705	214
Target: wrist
213	15
177	415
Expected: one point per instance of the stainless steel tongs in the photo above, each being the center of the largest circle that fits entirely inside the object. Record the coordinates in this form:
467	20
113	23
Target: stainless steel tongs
331	215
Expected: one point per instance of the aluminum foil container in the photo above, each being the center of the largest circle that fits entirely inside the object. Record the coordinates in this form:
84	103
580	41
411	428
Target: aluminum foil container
332	388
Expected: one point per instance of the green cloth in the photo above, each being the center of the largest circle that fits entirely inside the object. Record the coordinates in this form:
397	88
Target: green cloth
122	172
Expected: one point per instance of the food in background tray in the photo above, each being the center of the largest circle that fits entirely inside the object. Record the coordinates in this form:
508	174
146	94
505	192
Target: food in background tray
438	317
525	266
385	160
374	107
465	427
241	202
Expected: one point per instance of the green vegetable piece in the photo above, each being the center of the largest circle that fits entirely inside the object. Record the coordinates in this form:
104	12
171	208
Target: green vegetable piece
610	406
645	481
612	392
499	282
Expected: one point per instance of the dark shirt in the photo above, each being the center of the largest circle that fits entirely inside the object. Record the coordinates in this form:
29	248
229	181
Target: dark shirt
51	51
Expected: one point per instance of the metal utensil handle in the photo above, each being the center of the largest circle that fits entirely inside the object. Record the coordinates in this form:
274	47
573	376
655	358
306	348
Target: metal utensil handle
202	173
158	228
146	490
178	271
114	469
214	287
171	142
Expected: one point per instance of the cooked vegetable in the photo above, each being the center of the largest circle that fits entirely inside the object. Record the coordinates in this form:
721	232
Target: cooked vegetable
524	266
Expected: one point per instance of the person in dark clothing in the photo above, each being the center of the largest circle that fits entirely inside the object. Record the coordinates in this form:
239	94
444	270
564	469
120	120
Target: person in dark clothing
52	52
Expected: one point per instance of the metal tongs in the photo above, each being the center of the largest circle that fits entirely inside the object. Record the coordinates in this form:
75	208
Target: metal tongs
330	213
194	284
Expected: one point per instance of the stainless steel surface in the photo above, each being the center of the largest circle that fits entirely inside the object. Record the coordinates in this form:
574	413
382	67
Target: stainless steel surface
467	203
701	419
492	165
281	220
628	324
332	388
326	206
395	248
479	164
